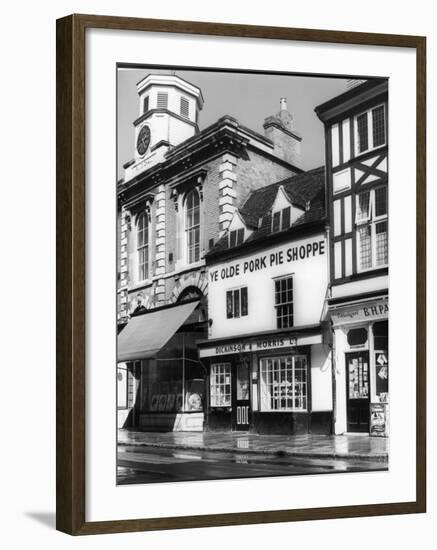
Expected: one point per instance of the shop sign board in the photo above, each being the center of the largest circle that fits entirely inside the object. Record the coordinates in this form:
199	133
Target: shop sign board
379	419
261	344
369	311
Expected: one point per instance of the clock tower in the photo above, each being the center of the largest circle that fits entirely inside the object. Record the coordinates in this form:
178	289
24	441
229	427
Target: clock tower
168	112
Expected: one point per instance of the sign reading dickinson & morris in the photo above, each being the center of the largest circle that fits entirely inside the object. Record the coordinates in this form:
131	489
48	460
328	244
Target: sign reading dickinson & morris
253	345
264	261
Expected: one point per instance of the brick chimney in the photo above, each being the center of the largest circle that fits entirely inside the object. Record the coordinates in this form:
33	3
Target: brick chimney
280	130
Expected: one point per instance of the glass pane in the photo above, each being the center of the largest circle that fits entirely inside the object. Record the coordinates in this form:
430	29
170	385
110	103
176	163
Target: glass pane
237	303
363	206
357	336
244	301
365	242
242	381
363	138
381	201
380	335
378	120
358	370
381	239
286	218
276	221
229	308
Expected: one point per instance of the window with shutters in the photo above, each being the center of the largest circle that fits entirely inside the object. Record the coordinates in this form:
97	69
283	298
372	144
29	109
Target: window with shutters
162	100
185	107
372	228
281	220
236	237
370	129
236	303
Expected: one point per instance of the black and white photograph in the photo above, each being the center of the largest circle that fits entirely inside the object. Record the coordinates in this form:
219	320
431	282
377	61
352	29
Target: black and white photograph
252	274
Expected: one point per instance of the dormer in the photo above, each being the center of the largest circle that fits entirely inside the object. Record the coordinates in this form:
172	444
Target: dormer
284	211
239	230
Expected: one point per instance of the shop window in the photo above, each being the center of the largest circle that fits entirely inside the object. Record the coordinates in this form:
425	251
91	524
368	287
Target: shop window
284	302
236	303
372	228
220	385
192	226
284	383
357	337
143	247
174	384
281	219
236	237
126	385
380	344
370	129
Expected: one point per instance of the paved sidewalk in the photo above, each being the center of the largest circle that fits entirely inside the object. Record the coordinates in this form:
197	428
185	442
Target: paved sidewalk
348	446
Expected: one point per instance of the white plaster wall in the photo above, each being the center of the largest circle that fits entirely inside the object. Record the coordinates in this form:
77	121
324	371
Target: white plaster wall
309	288
340	425
321	378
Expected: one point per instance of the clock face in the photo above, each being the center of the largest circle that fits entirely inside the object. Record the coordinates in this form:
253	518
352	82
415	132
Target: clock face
143	140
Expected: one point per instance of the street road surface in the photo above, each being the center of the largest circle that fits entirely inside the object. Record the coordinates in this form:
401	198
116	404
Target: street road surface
139	464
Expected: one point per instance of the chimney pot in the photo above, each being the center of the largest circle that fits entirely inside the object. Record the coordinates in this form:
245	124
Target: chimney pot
283	103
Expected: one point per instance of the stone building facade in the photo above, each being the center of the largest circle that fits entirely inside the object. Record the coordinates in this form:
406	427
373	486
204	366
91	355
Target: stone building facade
215	169
176	201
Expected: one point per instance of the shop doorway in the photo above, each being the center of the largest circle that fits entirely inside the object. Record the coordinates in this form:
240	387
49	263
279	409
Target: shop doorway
241	404
358	391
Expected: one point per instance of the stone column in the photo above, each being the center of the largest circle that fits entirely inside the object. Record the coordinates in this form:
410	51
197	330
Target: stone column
227	191
160	245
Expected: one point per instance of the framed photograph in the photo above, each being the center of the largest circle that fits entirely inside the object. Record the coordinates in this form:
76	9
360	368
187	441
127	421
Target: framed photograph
240	273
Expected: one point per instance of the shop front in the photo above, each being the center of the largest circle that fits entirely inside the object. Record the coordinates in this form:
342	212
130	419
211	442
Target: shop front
361	365
159	353
277	383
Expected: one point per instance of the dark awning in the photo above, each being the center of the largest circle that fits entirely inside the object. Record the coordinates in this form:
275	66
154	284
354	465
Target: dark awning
146	334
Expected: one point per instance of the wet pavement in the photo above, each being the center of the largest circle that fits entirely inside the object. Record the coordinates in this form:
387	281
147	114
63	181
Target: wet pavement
139	464
348	446
148	457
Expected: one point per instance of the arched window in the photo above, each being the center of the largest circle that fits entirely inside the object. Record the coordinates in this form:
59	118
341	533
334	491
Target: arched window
192	226
143	247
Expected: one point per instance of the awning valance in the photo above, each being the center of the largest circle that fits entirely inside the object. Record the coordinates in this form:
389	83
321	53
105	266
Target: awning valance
146	334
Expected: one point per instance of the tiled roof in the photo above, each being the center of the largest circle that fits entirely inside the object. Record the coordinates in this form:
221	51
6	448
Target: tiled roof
306	190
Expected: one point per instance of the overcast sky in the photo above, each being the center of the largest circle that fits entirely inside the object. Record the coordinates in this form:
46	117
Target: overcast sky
250	98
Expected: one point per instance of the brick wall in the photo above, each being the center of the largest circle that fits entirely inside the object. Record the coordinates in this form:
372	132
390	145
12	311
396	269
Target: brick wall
254	172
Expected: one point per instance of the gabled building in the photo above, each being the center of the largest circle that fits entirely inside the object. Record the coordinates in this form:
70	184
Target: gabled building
356	134
176	200
267	355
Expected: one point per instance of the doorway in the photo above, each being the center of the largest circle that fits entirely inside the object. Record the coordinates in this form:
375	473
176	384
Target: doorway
241	405
357	391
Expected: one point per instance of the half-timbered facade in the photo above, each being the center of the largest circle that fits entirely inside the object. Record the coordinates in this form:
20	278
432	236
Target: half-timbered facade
356	133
